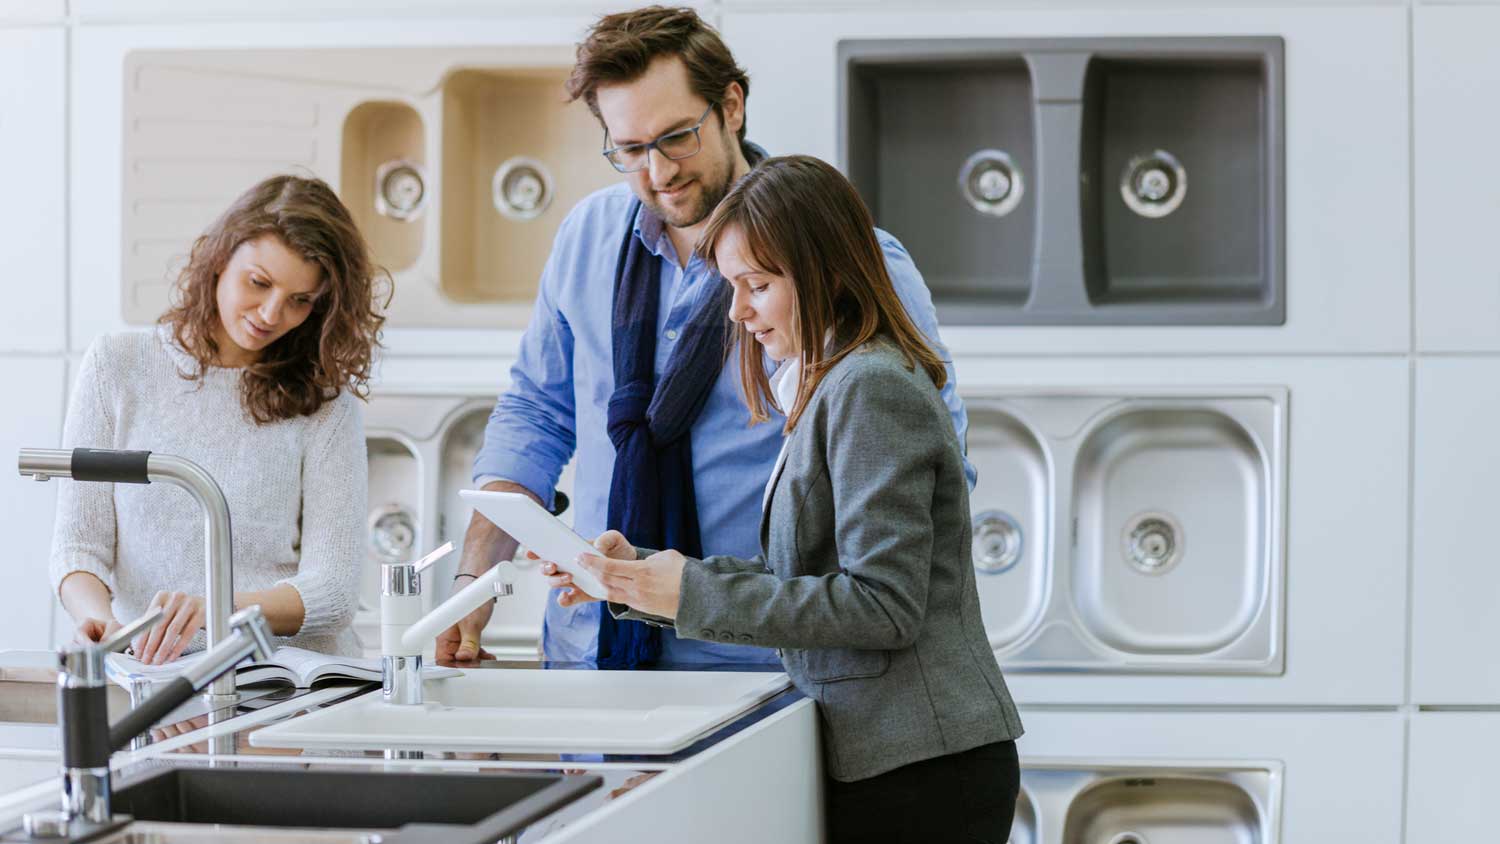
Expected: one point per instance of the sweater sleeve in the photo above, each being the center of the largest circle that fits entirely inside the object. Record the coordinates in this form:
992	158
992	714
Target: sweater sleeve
83	535
334	496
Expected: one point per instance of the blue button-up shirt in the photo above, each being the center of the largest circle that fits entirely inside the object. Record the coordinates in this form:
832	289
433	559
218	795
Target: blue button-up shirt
562	380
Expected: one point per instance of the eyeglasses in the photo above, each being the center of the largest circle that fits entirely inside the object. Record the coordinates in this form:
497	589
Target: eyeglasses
683	143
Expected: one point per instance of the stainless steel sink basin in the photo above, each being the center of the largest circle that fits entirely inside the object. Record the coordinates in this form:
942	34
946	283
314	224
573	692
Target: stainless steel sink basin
1012	521
1023	826
1131	532
1170	810
1101	802
515	629
421	453
1171	509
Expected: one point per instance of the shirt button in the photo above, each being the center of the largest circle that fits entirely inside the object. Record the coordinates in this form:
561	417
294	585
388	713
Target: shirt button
671	334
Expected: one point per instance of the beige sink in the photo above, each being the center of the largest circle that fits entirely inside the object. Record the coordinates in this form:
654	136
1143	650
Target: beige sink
457	163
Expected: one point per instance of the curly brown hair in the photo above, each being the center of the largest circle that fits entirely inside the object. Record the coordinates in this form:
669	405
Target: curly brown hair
332	349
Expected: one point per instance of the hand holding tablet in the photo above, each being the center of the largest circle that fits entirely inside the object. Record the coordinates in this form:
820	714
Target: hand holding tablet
539	531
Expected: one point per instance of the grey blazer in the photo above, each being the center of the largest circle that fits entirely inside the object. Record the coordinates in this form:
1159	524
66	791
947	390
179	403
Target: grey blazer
866	584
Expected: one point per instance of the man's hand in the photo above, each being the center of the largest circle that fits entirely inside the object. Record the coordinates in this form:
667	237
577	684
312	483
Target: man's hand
460	643
484	545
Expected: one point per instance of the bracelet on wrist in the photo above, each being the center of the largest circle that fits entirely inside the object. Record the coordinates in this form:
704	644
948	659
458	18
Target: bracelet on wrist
465	574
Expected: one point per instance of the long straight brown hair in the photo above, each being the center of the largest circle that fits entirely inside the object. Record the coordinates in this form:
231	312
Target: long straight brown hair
802	220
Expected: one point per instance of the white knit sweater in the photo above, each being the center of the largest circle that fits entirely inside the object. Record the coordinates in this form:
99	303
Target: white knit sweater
296	489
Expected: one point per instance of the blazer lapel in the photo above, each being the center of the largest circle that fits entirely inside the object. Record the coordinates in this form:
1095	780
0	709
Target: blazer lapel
765	510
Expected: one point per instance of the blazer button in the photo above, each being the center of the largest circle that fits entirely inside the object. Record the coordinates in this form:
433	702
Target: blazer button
705	633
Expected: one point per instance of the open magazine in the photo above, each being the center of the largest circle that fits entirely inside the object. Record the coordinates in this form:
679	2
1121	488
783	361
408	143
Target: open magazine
294	666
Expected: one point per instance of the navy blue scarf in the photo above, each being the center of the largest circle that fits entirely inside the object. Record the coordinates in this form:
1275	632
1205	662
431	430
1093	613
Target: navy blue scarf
651	498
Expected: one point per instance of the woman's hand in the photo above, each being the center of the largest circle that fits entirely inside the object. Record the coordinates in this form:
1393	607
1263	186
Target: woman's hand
652	585
611	543
182	617
95	630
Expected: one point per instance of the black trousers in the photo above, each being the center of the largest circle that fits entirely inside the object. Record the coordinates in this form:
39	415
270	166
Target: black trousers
962	798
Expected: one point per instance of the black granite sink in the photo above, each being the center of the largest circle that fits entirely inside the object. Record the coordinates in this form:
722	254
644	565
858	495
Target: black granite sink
395	807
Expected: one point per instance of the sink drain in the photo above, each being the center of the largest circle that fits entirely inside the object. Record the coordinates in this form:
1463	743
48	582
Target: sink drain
1153	185
522	188
400	189
997	542
1129	838
991	182
393	533
1153	542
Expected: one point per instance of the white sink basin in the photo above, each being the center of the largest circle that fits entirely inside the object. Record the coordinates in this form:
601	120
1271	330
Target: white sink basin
533	710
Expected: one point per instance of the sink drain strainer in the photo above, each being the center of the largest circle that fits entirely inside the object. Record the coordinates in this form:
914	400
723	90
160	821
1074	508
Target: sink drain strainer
991	182
522	188
393	533
1153	542
997	542
1153	185
400	189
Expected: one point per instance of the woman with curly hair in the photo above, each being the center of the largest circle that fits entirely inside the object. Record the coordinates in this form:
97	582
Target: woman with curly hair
255	373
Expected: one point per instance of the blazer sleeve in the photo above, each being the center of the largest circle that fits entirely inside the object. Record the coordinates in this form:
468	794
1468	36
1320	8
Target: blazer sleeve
719	564
882	456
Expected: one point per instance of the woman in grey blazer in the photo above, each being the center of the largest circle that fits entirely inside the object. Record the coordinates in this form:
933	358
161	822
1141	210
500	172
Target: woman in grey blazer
866	584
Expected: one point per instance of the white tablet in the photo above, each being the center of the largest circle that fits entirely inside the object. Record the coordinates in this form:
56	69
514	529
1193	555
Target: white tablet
538	531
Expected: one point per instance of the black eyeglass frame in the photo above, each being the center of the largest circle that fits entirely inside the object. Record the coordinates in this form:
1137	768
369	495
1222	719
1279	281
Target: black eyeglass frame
656	145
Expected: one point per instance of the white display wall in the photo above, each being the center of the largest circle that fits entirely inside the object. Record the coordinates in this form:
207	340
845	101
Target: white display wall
1390	352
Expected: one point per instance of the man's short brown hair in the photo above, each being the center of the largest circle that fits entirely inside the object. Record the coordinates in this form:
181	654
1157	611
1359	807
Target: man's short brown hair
621	46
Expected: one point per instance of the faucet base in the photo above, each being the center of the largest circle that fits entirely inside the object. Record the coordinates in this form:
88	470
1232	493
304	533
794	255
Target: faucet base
401	679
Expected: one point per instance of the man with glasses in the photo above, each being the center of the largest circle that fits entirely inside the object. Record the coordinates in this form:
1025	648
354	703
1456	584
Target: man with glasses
622	360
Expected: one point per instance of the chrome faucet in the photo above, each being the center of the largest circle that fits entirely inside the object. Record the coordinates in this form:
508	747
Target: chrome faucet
83	716
405	632
143	467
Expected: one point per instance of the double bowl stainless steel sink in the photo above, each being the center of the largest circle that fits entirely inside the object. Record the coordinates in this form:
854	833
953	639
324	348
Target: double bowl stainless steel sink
1138	531
1114	530
1151	803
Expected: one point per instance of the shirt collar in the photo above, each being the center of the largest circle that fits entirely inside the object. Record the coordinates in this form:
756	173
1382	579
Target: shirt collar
785	382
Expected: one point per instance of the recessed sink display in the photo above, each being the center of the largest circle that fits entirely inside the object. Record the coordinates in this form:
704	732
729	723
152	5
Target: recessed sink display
516	159
1023	825
458	163
1163	810
1169	509
393	523
1075	181
943	154
515	629
1171	553
383	180
1011	521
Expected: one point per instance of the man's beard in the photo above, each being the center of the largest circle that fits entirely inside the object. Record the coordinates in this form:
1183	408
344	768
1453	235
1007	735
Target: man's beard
713	187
